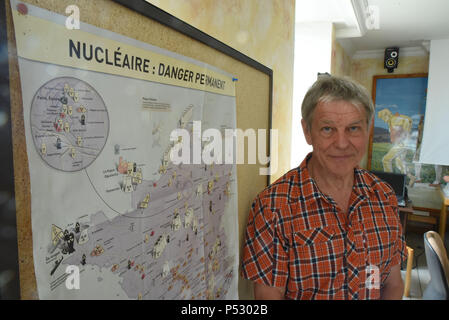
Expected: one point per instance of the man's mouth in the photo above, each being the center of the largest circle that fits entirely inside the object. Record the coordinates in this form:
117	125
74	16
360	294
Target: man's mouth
342	157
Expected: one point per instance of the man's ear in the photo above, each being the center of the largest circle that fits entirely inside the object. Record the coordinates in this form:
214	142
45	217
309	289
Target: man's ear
370	124
306	130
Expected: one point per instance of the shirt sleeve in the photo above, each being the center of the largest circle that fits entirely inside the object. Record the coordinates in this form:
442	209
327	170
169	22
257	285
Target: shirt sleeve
265	256
400	247
400	251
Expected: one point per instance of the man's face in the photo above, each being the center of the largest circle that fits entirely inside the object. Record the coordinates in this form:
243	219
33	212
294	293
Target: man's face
339	136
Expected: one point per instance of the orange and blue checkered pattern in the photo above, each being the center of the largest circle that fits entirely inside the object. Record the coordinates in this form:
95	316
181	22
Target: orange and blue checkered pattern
298	238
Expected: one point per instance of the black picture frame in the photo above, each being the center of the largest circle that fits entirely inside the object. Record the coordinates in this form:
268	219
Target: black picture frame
9	267
10	261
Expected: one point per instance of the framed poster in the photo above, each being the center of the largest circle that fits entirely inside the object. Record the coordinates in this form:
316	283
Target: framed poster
96	190
395	140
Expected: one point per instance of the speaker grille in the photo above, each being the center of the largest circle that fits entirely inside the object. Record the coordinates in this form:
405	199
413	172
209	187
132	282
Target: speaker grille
391	59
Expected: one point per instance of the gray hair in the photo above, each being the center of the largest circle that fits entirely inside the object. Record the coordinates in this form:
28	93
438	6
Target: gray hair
329	88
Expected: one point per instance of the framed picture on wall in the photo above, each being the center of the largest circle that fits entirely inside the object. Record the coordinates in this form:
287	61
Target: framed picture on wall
395	139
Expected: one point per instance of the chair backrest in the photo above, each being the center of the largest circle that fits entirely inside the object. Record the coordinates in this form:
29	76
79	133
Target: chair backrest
438	264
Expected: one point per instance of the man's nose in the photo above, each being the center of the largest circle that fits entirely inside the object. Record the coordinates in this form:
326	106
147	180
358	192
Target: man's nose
341	140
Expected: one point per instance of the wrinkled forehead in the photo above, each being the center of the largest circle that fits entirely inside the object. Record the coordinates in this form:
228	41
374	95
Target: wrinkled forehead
338	111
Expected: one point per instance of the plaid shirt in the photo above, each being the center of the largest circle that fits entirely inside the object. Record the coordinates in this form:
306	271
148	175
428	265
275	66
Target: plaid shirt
297	238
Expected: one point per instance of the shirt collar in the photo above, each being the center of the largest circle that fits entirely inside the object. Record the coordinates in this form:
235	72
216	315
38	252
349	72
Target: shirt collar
363	182
307	185
362	185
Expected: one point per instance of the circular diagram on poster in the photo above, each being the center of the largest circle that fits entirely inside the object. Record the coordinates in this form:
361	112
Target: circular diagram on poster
69	123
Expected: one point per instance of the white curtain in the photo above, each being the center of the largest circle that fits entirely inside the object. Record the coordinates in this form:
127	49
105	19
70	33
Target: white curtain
435	143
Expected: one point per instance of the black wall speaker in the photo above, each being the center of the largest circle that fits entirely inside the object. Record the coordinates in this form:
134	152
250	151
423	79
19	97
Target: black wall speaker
391	59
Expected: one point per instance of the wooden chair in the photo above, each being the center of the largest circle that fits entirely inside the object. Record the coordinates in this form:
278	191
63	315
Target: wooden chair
408	272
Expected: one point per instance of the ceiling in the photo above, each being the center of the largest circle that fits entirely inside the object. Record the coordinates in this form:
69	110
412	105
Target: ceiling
402	23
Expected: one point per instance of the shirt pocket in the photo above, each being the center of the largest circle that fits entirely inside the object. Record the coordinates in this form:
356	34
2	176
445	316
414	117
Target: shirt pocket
317	260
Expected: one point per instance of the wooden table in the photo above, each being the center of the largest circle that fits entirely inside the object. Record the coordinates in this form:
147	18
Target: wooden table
404	212
443	214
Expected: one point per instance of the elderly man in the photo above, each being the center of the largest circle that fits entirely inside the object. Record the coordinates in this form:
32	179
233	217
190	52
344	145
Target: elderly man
327	229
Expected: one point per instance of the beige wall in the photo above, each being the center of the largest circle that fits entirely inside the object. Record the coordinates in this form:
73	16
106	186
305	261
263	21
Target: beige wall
341	62
363	70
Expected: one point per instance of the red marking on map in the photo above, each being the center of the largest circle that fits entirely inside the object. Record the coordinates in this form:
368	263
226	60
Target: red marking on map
22	8
122	166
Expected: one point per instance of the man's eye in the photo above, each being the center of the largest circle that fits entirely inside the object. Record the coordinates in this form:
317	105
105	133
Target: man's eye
354	128
326	129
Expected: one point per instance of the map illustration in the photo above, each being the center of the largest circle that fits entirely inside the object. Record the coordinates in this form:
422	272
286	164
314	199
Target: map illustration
69	123
170	247
109	200
173	243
